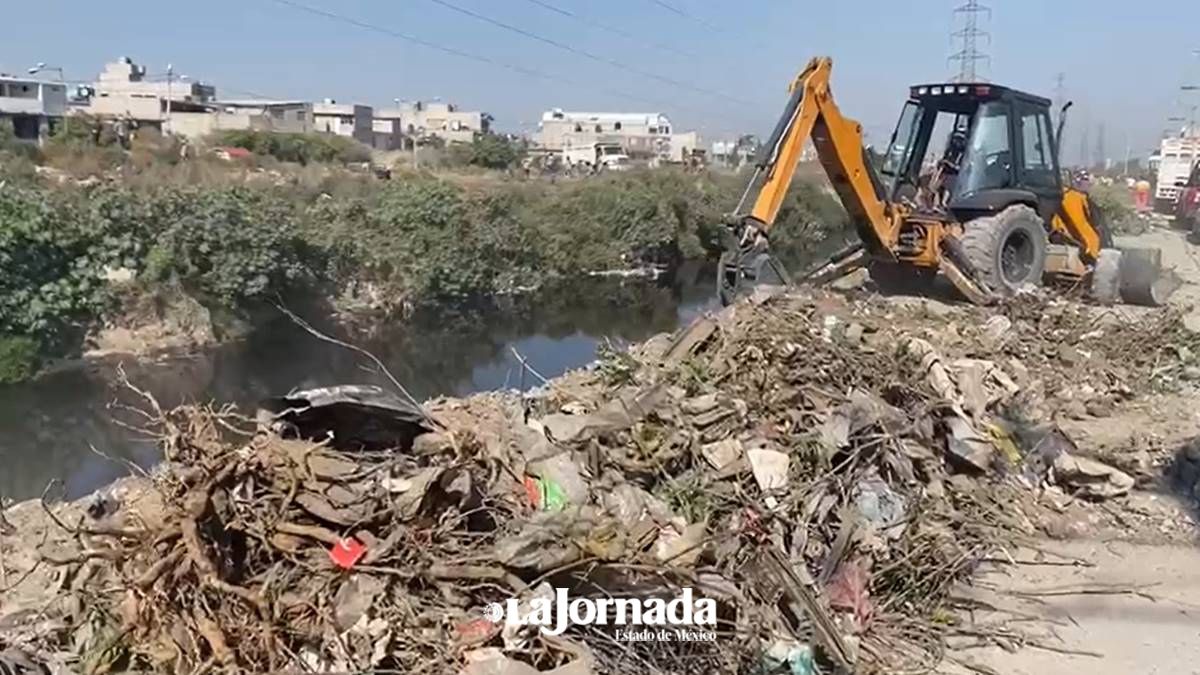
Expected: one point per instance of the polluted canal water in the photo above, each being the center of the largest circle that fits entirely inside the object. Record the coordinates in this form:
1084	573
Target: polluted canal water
68	424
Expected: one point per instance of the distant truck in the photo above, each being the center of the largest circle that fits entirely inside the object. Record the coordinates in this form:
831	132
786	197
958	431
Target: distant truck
1187	208
1179	156
596	157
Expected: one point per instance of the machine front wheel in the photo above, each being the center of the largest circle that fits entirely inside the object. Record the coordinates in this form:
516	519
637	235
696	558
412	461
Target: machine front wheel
1007	250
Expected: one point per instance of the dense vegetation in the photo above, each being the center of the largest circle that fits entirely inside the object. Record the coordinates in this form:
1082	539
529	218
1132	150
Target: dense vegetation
296	147
415	239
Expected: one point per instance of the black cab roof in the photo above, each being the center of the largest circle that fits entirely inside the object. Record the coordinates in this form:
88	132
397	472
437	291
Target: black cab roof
965	96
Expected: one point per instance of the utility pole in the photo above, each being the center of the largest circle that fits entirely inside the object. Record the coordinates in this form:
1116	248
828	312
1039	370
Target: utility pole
1060	91
1060	100
969	35
1128	150
1192	87
1084	158
170	75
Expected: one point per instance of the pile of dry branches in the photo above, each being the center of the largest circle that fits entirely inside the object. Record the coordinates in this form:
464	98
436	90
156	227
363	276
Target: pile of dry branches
823	470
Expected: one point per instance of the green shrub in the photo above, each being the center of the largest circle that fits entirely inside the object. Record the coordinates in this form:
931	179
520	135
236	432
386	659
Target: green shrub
17	168
809	215
1115	205
295	147
415	238
19	358
233	245
12	148
51	265
491	151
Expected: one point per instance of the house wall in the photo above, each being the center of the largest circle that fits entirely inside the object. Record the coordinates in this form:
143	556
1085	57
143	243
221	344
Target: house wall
137	106
438	119
126	77
32	97
646	134
354	121
196	125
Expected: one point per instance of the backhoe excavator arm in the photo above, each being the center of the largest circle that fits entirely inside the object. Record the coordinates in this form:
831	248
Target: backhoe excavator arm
812	113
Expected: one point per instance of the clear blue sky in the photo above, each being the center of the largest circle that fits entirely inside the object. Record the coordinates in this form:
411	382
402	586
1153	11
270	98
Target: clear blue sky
1124	61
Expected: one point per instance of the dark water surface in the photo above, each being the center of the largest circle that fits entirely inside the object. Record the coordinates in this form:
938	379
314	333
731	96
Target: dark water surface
49	427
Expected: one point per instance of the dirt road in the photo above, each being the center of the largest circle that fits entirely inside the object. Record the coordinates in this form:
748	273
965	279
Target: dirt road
1135	610
1133	604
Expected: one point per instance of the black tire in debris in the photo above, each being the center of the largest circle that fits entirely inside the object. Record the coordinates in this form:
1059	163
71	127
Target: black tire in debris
1007	250
1106	277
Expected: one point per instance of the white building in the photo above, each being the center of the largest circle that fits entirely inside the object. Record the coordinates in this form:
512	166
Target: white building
124	89
30	105
277	116
738	152
345	119
639	134
424	119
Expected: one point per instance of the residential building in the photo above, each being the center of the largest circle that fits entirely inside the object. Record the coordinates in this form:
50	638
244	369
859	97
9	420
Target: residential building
423	119
124	89
278	116
345	119
389	135
31	105
682	146
644	135
735	153
123	76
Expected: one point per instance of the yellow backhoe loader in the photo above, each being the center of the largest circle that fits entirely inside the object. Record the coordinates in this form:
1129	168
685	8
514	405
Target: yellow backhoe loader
987	206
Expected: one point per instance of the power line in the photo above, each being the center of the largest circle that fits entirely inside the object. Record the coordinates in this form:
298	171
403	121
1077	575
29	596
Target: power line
679	12
586	54
611	29
529	72
970	33
411	38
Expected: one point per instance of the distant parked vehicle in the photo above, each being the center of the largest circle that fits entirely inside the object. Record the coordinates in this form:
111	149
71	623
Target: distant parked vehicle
595	157
1179	155
231	154
1187	208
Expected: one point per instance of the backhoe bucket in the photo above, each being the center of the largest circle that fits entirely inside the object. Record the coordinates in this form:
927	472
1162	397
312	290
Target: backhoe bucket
1143	279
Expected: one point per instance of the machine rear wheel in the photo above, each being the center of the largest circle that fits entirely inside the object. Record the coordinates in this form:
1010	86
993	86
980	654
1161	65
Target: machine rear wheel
1007	250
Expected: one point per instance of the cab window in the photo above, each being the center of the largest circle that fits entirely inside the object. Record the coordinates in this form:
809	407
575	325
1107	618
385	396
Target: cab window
1037	156
988	163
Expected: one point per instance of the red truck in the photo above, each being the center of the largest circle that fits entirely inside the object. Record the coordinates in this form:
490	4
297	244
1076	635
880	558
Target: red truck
1187	208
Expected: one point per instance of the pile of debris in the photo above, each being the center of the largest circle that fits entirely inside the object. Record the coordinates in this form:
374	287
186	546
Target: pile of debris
824	469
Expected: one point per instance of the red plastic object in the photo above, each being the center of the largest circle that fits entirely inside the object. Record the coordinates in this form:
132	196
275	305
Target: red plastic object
347	552
533	491
476	632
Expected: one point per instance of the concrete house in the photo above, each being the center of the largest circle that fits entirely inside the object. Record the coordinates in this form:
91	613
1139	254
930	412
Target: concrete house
345	119
279	116
124	90
423	119
646	135
31	105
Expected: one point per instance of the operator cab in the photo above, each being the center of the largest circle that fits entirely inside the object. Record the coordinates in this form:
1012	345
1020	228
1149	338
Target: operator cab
992	146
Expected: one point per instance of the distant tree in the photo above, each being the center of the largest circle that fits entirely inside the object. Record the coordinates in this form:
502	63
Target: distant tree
493	151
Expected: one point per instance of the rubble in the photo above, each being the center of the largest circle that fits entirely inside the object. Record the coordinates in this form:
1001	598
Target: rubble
826	492
1090	478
